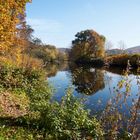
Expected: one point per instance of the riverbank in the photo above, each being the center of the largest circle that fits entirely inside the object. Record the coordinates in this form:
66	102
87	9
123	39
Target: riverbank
120	60
28	112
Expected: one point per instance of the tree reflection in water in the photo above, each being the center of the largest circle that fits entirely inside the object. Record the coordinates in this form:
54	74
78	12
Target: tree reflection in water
88	81
121	115
53	68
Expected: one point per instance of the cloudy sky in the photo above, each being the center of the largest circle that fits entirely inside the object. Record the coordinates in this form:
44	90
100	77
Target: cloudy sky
57	21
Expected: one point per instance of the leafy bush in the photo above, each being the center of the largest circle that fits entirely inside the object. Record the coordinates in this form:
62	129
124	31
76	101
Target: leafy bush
46	53
17	133
13	77
122	60
68	120
18	82
24	61
51	120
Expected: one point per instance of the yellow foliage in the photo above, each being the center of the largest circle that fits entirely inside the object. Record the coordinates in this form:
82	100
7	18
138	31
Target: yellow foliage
87	44
9	22
25	61
9	102
30	62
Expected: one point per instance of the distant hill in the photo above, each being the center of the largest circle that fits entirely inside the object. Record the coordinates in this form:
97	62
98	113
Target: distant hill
131	50
66	50
114	51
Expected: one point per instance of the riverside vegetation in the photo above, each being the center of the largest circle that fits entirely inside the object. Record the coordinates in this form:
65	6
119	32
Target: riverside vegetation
27	110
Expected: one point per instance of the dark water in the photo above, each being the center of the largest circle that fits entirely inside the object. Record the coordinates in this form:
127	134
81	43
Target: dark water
106	91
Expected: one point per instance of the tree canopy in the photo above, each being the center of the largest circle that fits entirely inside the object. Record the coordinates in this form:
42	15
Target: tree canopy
88	44
12	13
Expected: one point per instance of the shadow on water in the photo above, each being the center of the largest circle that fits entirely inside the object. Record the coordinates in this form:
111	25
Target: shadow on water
121	70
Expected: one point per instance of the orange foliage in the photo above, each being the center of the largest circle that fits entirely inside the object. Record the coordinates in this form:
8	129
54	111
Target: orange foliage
88	44
10	11
25	62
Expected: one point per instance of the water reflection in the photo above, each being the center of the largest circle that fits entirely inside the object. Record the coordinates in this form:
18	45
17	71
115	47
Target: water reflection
53	68
112	95
120	70
87	80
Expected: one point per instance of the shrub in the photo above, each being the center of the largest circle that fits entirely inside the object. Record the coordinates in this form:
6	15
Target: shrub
51	120
25	61
17	133
17	77
122	60
64	120
69	120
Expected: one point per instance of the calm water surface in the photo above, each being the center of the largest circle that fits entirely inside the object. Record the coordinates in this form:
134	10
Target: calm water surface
108	93
98	86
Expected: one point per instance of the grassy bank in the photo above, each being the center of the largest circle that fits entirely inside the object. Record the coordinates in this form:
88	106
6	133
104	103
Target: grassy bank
28	112
33	115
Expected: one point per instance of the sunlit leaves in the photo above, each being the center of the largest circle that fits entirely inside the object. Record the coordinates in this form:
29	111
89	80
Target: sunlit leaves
10	10
88	44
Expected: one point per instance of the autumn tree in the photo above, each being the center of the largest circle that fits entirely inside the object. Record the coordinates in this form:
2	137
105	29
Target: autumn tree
12	13
88	44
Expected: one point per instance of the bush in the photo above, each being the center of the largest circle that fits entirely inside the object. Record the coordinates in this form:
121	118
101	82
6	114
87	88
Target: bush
122	60
51	120
46	53
65	120
17	82
25	61
17	78
17	133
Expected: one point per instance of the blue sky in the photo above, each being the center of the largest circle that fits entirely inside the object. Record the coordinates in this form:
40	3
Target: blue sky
57	21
